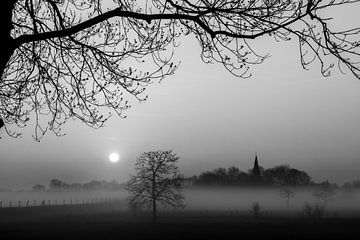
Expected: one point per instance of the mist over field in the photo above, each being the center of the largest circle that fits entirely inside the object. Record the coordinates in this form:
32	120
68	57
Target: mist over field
198	199
269	199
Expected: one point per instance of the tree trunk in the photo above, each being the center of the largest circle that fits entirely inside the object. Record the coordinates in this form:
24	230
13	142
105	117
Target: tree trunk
287	203
154	210
8	46
153	195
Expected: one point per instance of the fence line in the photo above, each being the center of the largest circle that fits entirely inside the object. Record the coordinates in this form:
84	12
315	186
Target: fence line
55	202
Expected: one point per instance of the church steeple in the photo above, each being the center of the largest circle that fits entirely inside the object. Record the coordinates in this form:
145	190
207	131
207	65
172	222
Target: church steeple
256	168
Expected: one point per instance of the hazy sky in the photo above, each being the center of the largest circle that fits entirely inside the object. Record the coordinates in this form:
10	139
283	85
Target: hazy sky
210	119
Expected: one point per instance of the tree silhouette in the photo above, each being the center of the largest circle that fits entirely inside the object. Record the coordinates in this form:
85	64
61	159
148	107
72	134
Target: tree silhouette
287	193
284	175
157	180
325	192
67	59
281	175
256	210
56	185
38	188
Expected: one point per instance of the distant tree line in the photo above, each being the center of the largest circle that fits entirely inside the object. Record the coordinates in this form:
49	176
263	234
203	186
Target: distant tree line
352	185
282	175
59	185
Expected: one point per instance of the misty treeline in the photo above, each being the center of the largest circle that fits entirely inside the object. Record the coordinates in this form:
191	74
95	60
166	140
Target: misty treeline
281	175
59	185
352	185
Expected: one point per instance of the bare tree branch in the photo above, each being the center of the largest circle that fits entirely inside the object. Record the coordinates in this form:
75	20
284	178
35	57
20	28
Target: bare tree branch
86	59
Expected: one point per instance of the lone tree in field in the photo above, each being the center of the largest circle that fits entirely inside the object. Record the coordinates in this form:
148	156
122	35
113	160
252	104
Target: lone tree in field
287	193
157	180
84	59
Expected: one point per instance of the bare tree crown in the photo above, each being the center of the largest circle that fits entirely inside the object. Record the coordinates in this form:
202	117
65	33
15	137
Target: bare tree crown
157	180
85	59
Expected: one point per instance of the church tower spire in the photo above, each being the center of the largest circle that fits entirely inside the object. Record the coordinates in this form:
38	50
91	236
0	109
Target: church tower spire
256	168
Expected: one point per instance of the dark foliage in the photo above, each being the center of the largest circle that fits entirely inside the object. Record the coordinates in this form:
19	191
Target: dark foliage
281	175
38	188
314	210
59	185
284	175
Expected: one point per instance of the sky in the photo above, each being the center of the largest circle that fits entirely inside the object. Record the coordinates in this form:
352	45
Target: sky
211	119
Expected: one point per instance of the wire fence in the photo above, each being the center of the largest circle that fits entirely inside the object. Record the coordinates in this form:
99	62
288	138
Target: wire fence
114	202
55	202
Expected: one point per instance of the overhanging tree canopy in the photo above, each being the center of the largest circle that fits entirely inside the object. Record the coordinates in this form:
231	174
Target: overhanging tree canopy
77	58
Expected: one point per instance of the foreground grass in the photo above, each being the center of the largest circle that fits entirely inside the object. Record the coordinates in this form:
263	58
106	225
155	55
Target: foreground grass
106	222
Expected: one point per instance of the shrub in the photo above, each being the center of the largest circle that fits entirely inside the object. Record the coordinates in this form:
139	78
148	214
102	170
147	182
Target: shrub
256	210
314	210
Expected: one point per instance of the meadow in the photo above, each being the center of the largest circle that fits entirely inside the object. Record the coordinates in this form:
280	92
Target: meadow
196	198
220	213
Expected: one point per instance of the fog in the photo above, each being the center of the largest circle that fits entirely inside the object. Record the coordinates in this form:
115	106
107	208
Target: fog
206	199
269	199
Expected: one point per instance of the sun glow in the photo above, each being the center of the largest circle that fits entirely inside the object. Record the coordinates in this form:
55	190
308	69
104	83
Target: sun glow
114	157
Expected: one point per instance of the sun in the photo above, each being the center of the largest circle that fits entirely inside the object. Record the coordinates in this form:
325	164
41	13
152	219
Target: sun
114	157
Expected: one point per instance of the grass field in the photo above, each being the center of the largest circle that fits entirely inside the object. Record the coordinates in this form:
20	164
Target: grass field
106	221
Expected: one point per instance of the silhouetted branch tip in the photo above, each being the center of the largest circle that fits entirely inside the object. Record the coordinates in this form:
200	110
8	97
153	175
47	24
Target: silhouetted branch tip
76	59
